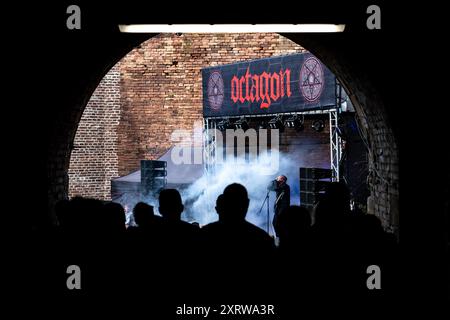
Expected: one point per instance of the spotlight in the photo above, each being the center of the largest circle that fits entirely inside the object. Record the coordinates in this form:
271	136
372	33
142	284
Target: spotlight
318	125
224	125
276	123
241	124
294	122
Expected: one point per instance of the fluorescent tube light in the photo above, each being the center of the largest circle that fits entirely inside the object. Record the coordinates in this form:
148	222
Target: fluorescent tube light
231	28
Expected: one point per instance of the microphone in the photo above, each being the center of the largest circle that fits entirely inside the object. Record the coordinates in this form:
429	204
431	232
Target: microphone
272	185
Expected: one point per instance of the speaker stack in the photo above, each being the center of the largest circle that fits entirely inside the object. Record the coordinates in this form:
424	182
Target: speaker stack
153	176
313	182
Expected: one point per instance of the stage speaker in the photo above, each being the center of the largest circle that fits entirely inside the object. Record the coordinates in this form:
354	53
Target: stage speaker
315	173
307	185
309	199
153	176
313	182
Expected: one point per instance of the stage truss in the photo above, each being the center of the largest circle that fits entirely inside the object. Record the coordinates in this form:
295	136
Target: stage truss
210	136
209	146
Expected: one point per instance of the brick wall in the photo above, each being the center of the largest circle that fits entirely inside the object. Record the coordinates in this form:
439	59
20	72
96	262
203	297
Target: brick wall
155	89
160	85
309	147
94	158
162	89
376	121
312	147
383	179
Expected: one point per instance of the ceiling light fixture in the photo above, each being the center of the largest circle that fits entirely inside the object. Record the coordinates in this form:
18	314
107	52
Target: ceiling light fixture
231	28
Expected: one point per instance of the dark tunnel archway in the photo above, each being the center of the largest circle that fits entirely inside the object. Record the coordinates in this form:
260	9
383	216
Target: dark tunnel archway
382	71
377	69
370	110
369	103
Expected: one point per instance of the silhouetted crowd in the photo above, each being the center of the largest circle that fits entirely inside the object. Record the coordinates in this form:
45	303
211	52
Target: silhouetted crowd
319	256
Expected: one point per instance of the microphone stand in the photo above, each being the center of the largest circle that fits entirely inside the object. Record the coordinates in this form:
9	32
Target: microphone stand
266	199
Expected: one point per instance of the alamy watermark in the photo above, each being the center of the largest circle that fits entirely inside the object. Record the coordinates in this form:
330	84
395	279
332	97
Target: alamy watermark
74	279
73	21
231	146
373	282
374	19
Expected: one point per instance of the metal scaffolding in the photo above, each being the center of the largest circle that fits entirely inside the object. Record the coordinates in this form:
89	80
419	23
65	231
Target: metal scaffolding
335	138
335	144
209	147
210	136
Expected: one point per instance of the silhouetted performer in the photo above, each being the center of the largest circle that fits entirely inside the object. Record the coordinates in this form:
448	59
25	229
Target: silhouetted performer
282	199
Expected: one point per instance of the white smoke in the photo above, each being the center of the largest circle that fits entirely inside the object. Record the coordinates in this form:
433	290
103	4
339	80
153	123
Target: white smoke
255	175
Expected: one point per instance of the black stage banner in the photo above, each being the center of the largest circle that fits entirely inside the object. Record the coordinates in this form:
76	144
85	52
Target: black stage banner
290	83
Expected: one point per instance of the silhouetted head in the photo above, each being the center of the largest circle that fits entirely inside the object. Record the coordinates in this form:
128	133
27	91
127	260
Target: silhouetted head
113	217
170	204
233	204
333	206
195	224
143	214
85	214
220	205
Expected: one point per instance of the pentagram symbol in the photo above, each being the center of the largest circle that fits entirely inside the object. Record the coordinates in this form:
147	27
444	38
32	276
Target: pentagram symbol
215	90
311	79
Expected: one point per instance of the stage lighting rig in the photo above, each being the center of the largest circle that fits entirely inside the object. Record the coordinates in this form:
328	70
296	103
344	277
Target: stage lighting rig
276	123
241	124
294	122
224	125
262	125
318	125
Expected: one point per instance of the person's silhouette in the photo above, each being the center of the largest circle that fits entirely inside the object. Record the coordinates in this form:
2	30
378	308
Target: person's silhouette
113	218
282	199
170	204
237	251
176	232
179	241
144	216
232	234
